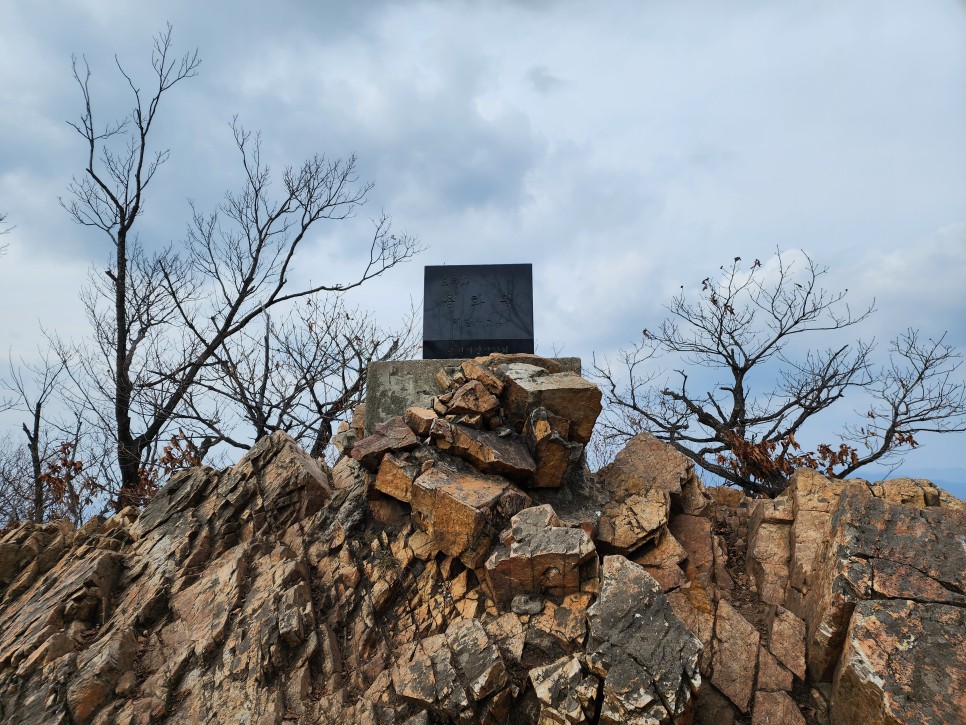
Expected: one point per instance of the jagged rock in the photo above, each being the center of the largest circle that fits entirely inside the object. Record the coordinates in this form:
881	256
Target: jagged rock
694	535
561	627
474	371
509	633
476	658
348	473
773	676
474	399
735	652
463	512
662	559
566	693
903	662
555	456
639	489
627	524
395	477
419	420
277	591
528	387
917	492
647	463
786	640
646	657
777	708
813	498
769	549
393	435
486	451
694	605
882	550
539	555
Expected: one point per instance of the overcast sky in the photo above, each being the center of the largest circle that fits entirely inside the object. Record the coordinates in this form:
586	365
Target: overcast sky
624	148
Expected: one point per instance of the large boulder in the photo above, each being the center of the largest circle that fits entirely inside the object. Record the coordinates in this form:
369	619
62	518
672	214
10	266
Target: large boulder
484	450
463	512
647	658
903	662
528	387
877	549
639	489
539	555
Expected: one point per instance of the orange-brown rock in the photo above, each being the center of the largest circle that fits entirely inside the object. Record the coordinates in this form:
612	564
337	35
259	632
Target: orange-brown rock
393	435
496	359
540	555
278	591
484	450
528	387
877	549
395	477
627	524
735	652
419	420
778	708
769	548
556	457
646	463
813	498
786	640
472	398
662	559
903	662
694	605
637	490
694	535
916	492
464	512
773	676
474	371
567	693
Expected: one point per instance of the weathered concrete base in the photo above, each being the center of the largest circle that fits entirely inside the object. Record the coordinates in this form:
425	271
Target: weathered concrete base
395	385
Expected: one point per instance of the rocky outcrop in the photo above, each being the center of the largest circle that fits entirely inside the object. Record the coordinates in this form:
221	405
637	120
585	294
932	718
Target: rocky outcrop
647	659
878	549
425	580
903	661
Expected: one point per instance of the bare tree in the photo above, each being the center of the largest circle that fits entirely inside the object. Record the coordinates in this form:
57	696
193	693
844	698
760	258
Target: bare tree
3	218
741	397
16	487
300	374
31	397
168	314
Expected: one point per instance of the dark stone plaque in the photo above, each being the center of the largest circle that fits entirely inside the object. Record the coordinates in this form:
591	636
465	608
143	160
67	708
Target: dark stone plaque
475	309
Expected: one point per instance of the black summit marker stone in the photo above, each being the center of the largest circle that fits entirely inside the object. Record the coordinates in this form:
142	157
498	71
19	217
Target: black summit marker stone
475	309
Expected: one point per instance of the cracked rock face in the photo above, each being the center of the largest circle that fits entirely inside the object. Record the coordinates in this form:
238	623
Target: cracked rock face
646	657
410	584
903	662
878	549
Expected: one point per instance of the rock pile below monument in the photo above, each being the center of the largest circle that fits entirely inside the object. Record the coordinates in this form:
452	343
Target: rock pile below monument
462	565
